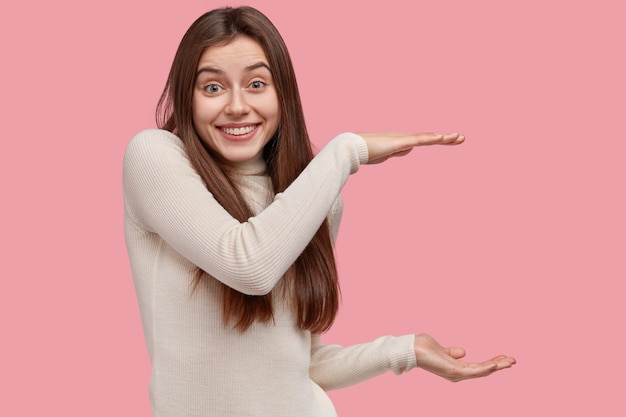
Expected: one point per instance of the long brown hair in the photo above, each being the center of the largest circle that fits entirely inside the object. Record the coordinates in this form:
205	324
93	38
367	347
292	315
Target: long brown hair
312	284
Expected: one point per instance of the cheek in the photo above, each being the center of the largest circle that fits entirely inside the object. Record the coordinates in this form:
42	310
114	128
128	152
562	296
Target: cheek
202	112
272	110
266	104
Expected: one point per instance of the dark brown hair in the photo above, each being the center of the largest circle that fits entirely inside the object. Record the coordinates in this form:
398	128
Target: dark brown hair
311	282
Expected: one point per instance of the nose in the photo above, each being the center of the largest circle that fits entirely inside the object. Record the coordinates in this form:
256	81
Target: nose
237	105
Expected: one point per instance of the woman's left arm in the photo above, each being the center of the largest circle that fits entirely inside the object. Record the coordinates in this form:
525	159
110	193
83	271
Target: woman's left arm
335	366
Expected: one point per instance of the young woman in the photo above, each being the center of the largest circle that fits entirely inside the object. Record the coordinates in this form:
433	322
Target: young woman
230	221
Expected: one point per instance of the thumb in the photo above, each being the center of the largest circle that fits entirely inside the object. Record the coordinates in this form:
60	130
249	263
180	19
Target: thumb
455	352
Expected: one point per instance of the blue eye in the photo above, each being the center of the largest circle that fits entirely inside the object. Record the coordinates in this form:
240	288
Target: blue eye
212	88
257	85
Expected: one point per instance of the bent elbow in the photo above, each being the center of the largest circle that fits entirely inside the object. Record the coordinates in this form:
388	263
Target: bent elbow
248	264
257	285
258	290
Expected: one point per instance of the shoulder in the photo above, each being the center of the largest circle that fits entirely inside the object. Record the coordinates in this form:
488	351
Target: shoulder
155	155
153	146
152	139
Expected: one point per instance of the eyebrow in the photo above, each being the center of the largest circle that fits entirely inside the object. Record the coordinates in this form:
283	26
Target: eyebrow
249	68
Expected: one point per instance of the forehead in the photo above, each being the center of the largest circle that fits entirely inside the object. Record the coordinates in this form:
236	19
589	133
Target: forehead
240	52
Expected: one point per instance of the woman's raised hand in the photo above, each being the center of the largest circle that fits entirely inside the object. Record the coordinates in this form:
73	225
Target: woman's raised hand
445	361
382	146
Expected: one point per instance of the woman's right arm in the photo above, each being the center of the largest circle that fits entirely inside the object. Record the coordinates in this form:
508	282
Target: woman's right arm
165	195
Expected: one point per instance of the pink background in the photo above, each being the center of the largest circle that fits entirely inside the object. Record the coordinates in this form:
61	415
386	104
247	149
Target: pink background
511	243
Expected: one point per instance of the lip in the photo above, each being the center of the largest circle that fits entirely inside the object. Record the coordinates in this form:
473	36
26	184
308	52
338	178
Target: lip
238	138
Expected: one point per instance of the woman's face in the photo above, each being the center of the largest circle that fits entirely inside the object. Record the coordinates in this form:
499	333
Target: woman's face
235	105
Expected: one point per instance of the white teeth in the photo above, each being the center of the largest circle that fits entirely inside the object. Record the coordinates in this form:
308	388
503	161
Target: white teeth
238	130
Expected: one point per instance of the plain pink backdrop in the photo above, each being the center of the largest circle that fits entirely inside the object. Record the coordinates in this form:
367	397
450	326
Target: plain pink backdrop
511	243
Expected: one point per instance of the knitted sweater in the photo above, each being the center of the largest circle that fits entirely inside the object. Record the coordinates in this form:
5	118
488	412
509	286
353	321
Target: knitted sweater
200	367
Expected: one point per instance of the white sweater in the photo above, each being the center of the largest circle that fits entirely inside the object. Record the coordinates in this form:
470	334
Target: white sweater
200	367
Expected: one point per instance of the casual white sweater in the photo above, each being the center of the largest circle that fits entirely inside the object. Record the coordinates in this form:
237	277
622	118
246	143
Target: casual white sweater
200	367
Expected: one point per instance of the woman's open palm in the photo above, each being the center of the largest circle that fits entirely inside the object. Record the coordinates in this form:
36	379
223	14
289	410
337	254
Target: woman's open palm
445	361
382	146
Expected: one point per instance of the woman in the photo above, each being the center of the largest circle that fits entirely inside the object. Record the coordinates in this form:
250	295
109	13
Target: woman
230	222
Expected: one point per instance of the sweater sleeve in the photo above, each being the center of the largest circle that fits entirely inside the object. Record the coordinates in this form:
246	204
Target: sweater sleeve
335	366
164	195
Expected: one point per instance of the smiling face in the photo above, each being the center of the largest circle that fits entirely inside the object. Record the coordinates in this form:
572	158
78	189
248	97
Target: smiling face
235	105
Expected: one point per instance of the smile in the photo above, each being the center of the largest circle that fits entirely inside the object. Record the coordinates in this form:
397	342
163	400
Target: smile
238	131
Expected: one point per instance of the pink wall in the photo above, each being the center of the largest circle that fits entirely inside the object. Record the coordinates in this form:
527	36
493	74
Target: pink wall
511	243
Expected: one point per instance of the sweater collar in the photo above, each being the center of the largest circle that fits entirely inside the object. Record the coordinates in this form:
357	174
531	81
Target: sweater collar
254	166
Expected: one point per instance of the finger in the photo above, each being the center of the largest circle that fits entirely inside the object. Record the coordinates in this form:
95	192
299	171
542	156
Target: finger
459	140
499	362
431	138
450	136
465	370
408	141
452	139
441	139
505	362
479	370
502	359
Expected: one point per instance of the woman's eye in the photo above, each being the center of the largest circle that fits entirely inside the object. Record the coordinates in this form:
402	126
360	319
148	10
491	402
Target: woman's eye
257	85
212	88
